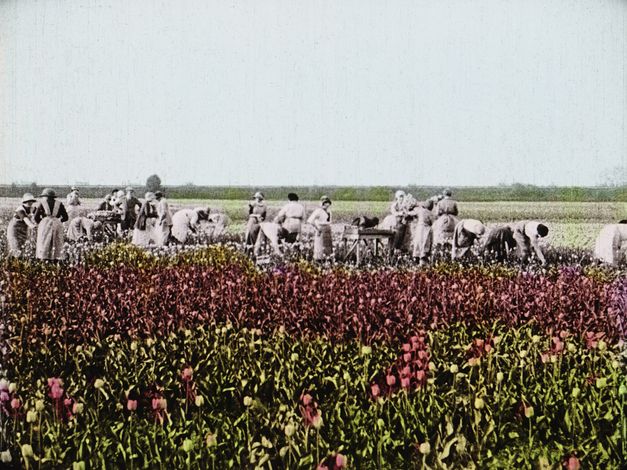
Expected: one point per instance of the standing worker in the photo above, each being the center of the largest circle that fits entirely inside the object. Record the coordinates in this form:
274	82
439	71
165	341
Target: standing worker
73	202
423	235
256	214
526	235
49	215
164	219
143	233
321	221
446	211
20	223
290	218
132	206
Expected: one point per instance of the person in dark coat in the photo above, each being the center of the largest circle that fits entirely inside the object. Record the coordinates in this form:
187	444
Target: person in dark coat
498	240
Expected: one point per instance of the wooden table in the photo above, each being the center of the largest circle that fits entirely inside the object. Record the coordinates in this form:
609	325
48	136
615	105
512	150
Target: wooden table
355	235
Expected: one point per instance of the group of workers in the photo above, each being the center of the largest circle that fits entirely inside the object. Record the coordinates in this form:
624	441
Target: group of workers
147	222
417	226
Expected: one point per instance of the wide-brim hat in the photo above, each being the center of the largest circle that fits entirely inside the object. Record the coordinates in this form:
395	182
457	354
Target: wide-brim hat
158	194
149	196
48	192
324	199
28	197
129	188
259	195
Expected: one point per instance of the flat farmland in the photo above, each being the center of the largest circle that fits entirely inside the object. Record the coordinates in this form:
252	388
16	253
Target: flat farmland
571	224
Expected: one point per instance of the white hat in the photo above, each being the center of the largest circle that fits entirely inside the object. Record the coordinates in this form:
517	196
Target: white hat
399	193
28	197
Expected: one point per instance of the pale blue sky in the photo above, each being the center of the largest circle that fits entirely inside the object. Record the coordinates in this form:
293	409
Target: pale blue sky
350	92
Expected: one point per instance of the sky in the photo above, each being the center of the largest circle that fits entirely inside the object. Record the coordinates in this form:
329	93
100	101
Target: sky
313	92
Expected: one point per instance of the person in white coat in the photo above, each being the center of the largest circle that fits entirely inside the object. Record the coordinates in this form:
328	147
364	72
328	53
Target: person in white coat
82	228
164	220
423	234
464	236
608	247
321	221
73	203
186	222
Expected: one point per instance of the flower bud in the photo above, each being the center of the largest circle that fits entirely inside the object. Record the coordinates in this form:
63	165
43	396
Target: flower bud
248	401
366	350
77	408
40	405
575	392
12	387
290	430
479	403
211	440
529	411
27	451
317	421
98	384
454	369
199	400
5	456
31	416
188	445
425	448
499	377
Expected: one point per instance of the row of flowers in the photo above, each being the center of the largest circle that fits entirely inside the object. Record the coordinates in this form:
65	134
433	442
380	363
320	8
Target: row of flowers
226	397
78	303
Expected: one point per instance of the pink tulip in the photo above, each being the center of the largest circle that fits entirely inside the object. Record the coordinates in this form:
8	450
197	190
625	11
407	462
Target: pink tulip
4	396
375	390
306	399
573	463
16	403
407	357
390	380
340	461
405	382
187	374
406	371
420	375
406	347
56	392
131	405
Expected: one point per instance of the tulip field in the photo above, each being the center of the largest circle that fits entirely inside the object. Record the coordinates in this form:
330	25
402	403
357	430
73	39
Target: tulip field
195	357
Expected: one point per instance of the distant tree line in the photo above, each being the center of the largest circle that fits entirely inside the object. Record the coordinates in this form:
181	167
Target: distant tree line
515	192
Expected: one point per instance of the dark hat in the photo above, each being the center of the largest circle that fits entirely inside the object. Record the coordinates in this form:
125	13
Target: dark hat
158	194
447	192
543	230
292	197
325	199
48	192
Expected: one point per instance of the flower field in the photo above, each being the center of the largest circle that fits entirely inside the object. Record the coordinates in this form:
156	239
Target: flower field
198	359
